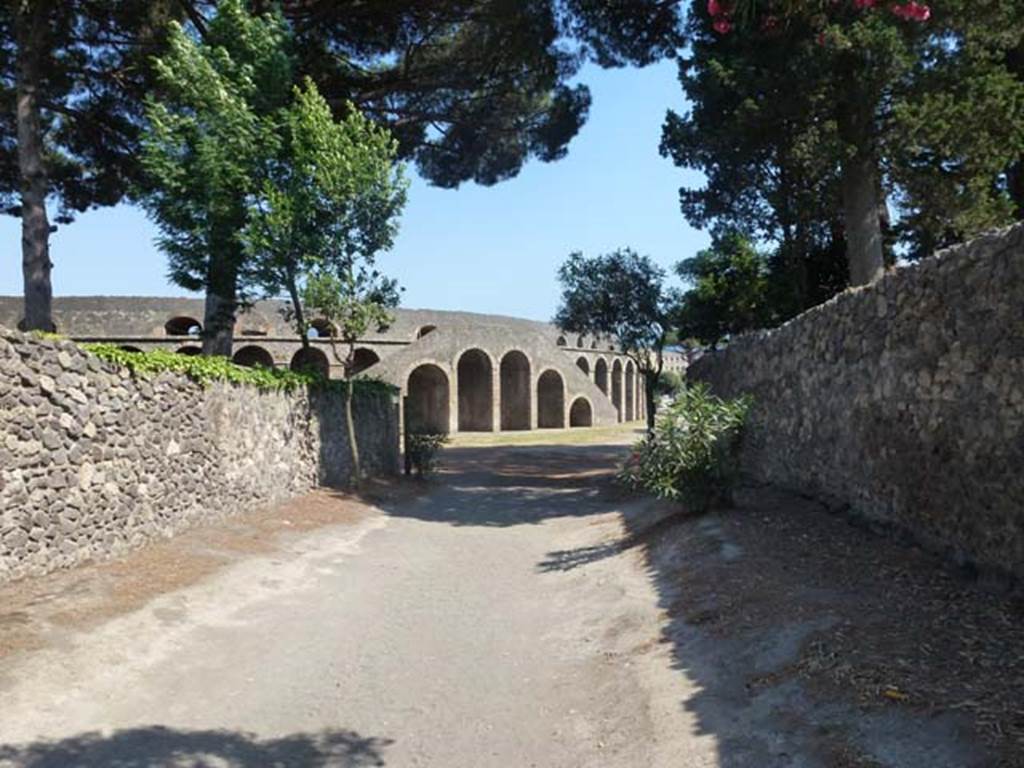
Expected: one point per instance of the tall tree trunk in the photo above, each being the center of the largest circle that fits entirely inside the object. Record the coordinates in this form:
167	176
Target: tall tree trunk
221	304
300	314
860	216
31	20
859	182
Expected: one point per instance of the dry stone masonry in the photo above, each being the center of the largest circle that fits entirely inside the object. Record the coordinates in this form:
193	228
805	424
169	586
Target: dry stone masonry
94	460
904	400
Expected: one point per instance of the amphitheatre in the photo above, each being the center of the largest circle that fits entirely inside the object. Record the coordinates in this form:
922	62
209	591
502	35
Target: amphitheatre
459	371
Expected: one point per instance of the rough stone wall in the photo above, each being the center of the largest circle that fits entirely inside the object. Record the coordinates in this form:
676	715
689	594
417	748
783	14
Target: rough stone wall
904	400
94	461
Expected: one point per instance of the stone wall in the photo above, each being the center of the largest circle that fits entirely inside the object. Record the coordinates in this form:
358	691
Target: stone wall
903	400
93	460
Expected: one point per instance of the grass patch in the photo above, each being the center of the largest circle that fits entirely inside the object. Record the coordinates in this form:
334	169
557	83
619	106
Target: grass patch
619	433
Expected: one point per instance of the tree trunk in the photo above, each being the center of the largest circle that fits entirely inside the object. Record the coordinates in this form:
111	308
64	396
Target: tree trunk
353	443
860	182
300	314
650	392
860	216
221	299
35	227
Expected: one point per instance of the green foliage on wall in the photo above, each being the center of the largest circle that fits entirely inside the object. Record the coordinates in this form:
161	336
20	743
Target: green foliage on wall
207	370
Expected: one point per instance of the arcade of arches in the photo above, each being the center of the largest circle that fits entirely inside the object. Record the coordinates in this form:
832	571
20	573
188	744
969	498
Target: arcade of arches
475	397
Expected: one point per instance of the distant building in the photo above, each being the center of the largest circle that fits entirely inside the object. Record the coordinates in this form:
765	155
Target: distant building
458	371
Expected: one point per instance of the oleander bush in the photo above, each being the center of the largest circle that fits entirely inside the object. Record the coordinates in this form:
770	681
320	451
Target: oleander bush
423	451
692	456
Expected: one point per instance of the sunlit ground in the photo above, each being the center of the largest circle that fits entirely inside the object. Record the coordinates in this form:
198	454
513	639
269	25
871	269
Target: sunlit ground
620	433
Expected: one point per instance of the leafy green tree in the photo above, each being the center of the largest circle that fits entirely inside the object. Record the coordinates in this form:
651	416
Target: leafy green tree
330	195
620	294
208	136
470	89
864	84
354	298
729	291
72	76
329	201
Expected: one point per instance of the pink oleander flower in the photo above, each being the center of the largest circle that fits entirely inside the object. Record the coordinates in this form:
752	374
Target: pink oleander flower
722	26
715	8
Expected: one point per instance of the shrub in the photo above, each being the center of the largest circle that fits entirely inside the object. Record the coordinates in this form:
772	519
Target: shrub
692	456
421	452
669	383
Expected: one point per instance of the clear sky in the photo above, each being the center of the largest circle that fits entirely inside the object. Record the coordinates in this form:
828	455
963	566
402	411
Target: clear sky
481	249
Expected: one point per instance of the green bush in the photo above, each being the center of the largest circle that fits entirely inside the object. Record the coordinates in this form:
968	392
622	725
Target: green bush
692	456
421	451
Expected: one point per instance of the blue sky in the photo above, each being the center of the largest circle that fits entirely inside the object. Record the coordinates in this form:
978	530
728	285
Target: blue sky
481	249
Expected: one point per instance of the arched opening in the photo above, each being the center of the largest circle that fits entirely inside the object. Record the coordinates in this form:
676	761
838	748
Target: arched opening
580	414
583	364
190	351
617	387
426	400
630	392
319	329
183	326
252	356
362	359
311	360
129	348
579	342
601	375
475	390
593	343
425	330
515	391
562	342
550	401
253	332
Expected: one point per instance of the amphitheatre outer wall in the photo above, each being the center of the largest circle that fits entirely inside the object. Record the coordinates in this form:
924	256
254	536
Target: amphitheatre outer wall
458	371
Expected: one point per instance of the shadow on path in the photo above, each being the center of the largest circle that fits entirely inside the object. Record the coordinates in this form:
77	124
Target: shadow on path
159	746
520	485
756	603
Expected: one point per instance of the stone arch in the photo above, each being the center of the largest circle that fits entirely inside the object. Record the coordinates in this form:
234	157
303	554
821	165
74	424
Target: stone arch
253	356
580	413
630	392
474	376
426	400
601	374
593	343
579	342
561	341
550	400
583	364
189	350
129	348
425	330
617	387
311	360
183	326
515	390
320	328
363	358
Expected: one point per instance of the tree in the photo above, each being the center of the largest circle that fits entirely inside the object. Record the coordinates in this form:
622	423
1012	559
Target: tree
470	89
355	299
72	76
730	291
328	203
208	135
622	295
871	79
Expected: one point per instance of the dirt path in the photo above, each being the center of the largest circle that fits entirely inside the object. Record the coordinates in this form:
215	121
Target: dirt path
522	612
